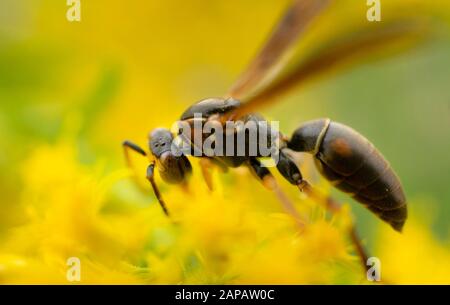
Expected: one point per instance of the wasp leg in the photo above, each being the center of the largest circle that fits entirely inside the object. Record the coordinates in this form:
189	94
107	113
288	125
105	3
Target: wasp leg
127	146
288	168
130	146
268	180
334	207
151	179
207	166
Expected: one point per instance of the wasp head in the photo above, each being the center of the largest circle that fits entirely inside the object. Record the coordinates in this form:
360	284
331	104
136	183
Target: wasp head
160	141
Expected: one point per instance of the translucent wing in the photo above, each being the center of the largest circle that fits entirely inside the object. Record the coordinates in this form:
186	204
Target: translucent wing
295	21
349	49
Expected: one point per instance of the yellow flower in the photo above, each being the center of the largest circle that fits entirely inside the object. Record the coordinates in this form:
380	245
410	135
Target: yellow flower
415	257
232	235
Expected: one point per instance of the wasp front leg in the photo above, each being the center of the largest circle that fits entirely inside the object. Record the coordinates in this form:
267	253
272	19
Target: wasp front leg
151	179
130	146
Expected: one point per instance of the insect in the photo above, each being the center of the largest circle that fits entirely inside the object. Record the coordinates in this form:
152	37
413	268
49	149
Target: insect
342	155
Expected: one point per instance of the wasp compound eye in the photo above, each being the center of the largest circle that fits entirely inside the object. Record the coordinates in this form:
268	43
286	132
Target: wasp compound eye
160	141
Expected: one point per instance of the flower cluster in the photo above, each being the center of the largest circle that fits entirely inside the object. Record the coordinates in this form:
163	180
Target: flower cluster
236	234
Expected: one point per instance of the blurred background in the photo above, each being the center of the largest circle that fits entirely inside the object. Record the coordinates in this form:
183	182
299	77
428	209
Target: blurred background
127	68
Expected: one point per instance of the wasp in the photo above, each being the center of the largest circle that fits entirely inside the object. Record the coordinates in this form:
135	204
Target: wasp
342	155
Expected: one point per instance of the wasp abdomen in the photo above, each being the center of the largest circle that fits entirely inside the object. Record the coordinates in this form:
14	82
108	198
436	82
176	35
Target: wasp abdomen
355	166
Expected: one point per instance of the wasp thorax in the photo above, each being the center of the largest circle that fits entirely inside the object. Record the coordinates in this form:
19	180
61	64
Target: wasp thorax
160	141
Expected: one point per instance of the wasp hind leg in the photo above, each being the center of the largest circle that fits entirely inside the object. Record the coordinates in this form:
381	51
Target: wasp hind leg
334	207
288	168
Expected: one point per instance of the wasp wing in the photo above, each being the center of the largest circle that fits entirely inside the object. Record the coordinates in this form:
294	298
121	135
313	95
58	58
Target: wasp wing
295	21
390	36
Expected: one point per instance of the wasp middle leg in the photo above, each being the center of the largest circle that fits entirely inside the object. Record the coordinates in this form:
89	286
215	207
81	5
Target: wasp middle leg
265	176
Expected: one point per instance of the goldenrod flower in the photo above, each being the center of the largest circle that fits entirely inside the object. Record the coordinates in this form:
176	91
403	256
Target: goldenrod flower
236	234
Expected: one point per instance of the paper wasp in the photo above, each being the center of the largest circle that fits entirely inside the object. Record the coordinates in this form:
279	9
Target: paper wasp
343	156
